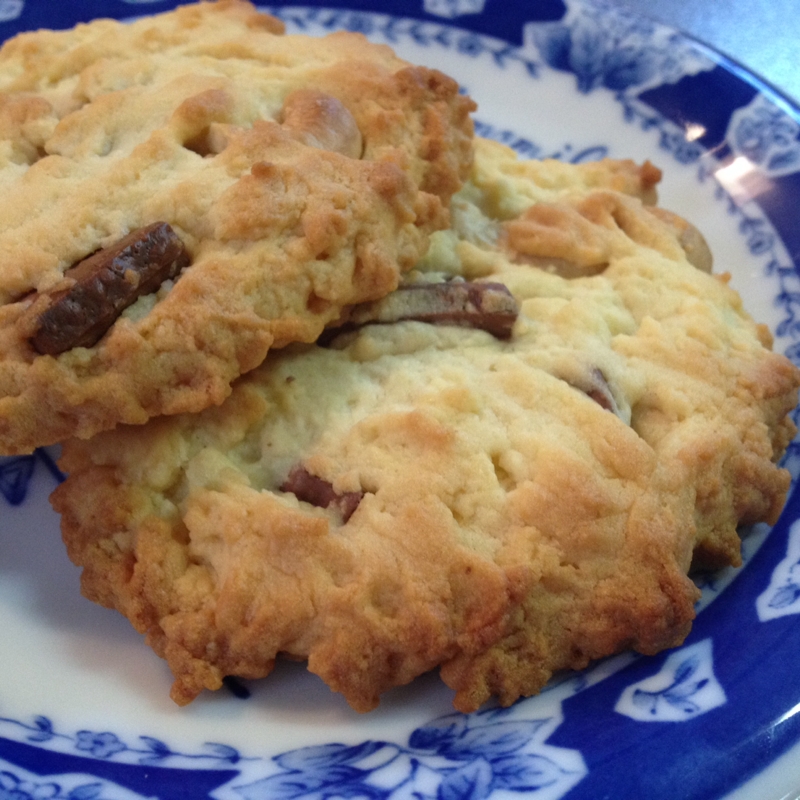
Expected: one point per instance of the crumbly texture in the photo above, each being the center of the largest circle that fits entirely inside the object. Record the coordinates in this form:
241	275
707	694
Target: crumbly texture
508	523
302	175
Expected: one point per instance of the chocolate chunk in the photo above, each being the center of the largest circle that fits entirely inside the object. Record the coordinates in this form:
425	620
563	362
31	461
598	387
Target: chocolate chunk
319	492
597	389
106	283
488	306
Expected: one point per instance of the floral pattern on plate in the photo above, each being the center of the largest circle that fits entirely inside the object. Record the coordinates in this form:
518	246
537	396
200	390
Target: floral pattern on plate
766	135
684	687
605	45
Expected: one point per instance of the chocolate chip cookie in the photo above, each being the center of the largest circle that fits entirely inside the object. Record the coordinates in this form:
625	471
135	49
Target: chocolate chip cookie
186	192
504	470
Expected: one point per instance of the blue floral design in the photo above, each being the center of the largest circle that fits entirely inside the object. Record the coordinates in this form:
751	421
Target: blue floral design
107	746
786	596
782	596
470	44
100	745
525	147
671	138
359	23
767	136
683	689
12	787
606	46
456	756
678	694
453	8
16	474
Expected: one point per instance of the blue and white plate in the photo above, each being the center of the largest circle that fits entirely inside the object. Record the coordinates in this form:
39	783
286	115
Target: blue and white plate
84	707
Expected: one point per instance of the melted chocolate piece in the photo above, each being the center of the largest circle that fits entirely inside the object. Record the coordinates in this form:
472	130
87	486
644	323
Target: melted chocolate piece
106	283
319	492
487	306
598	390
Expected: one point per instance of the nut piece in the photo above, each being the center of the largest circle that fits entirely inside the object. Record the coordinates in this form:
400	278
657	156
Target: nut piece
320	120
698	253
596	387
106	283
487	306
318	492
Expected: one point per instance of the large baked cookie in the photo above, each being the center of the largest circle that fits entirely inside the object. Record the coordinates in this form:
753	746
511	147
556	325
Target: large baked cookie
503	469
183	193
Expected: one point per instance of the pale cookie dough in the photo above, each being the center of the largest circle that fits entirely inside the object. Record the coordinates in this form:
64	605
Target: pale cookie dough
415	495
301	174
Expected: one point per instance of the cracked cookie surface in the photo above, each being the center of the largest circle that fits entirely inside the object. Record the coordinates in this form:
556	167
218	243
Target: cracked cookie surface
301	175
422	494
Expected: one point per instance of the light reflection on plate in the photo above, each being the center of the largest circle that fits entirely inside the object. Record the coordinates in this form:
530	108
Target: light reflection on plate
84	712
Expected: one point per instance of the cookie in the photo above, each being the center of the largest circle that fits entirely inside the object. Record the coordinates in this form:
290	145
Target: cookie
424	490
293	176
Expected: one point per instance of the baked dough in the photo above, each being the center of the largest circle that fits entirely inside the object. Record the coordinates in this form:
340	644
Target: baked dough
301	174
415	495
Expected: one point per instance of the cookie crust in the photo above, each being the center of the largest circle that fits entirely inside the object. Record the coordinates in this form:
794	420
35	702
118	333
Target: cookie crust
302	175
508	524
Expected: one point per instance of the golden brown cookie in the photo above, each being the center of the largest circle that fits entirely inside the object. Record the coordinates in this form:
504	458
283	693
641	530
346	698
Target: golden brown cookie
429	490
296	175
